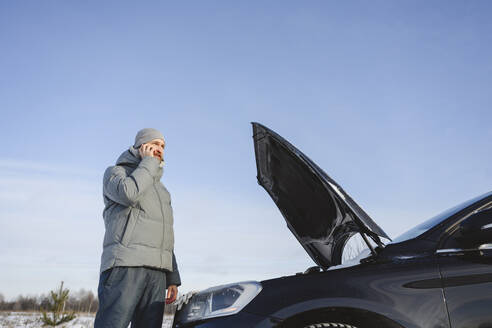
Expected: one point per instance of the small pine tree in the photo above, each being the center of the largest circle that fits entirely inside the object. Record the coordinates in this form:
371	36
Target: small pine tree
57	309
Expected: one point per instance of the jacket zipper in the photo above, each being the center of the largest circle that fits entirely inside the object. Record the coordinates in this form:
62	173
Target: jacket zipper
163	220
125	227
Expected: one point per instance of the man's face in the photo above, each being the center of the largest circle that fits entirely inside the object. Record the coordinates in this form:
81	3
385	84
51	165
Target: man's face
158	145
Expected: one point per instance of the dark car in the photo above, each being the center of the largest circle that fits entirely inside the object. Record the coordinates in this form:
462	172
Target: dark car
438	274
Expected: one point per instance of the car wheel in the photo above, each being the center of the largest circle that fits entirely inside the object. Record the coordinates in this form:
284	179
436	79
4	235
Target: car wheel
330	324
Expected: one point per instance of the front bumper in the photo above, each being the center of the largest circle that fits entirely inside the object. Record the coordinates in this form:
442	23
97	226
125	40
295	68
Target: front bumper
239	320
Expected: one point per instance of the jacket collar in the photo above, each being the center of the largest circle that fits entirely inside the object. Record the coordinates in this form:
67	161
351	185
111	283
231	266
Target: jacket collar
131	158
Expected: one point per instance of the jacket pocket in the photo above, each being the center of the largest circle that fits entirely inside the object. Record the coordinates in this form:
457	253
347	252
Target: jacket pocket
129	227
147	232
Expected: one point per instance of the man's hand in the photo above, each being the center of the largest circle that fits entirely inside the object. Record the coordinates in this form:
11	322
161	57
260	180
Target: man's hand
147	150
172	293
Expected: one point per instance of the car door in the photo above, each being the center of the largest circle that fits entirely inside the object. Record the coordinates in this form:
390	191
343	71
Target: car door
465	261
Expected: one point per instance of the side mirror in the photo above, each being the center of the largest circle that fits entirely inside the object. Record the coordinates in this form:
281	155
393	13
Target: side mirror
476	230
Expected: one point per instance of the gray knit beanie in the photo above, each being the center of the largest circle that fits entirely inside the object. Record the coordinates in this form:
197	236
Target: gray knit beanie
146	135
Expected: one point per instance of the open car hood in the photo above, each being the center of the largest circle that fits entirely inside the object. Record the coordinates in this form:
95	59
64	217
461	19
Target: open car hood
320	214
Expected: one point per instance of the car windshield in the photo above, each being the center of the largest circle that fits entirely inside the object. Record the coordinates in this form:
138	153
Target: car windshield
426	225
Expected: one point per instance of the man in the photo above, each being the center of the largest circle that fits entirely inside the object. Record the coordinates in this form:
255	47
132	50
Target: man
137	262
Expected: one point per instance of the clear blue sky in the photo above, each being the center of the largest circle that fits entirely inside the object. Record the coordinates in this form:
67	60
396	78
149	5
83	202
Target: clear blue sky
393	99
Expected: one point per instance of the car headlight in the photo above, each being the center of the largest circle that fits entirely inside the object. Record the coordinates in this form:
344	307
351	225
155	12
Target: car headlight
219	301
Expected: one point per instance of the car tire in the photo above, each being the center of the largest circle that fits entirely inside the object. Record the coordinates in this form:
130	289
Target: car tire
330	325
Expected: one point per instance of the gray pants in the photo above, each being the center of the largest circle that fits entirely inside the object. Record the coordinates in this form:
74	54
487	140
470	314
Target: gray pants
133	294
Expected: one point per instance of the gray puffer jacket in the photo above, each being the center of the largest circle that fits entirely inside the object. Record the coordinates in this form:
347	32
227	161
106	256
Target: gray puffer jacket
138	216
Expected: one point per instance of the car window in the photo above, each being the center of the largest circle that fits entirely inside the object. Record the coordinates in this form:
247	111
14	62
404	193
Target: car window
435	220
460	239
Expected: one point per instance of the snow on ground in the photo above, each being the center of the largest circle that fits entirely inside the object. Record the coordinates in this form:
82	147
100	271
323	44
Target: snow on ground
33	320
